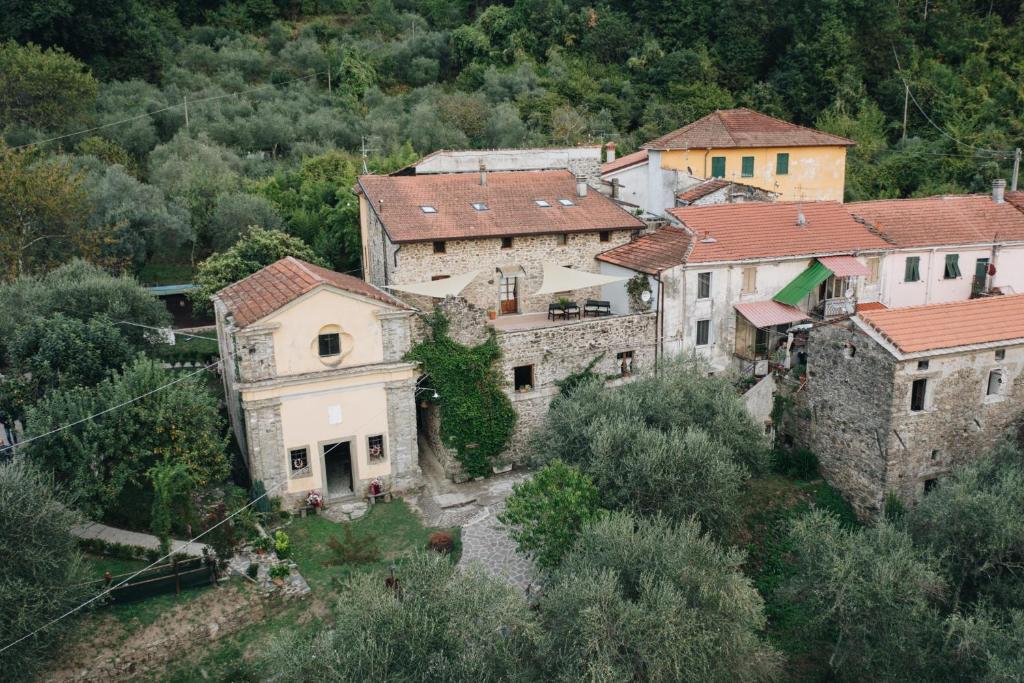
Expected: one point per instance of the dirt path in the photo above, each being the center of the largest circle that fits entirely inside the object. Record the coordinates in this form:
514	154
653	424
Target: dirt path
106	648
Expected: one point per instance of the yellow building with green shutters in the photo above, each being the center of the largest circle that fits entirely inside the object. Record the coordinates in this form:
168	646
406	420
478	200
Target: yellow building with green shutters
798	163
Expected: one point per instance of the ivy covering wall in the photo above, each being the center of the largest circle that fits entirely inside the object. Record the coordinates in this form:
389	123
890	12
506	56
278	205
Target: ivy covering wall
477	417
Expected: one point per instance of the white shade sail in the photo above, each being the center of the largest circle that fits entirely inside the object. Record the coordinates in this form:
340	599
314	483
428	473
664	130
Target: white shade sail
439	289
559	279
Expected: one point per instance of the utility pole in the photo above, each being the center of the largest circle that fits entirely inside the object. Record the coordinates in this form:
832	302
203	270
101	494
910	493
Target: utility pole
364	150
185	100
1016	170
906	103
328	78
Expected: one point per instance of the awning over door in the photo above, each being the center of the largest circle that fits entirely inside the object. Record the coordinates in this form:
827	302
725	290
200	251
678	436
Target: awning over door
804	284
509	272
439	289
844	266
559	279
763	314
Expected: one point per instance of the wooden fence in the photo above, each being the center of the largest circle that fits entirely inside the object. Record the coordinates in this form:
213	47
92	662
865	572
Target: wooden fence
173	577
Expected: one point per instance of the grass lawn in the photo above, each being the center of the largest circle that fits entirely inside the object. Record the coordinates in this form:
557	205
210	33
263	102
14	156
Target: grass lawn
392	529
97	564
187	349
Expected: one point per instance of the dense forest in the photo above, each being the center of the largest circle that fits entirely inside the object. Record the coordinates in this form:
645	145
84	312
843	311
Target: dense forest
200	118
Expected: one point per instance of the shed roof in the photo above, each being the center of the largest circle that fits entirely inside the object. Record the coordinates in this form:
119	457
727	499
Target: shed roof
950	325
509	200
743	127
651	253
272	287
626	161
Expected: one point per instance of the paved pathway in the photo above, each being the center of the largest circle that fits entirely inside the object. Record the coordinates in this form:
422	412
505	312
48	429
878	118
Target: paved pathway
484	539
134	538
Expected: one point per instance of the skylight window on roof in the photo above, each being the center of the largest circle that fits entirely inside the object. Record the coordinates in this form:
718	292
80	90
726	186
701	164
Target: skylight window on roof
479	206
566	202
428	209
542	203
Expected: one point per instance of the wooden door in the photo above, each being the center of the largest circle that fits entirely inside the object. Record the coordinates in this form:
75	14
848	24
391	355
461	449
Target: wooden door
509	295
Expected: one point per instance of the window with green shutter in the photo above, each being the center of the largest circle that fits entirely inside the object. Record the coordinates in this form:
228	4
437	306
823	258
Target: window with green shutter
912	272
748	167
717	167
782	163
952	266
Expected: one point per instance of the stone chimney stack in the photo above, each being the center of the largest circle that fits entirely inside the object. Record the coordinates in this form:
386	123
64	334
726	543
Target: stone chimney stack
998	189
483	174
615	188
609	152
581	186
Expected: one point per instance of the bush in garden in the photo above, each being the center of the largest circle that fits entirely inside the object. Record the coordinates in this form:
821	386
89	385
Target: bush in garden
440	542
282	545
796	463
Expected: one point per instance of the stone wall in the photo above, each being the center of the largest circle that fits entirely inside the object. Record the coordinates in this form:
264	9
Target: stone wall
405	467
849	393
396	331
960	422
560	350
417	262
254	354
759	400
266	444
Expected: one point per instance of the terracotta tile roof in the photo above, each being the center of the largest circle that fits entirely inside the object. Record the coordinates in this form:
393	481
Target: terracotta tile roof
1016	198
510	197
871	306
960	219
763	314
268	289
945	326
743	128
625	162
651	253
703	189
759	230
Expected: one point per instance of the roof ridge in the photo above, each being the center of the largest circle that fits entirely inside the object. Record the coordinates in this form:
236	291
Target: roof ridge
303	265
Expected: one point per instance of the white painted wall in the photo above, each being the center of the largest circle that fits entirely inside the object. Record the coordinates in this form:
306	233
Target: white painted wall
933	288
683	309
632	184
461	161
616	291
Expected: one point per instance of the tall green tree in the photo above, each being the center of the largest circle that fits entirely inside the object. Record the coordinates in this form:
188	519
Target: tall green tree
47	89
648	600
41	568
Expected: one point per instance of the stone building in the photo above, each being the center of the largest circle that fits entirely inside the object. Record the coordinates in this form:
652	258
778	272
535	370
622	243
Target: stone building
899	397
729	280
510	253
318	391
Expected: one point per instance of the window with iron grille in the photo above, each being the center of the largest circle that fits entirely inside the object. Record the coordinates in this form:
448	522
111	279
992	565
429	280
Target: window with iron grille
330	344
375	448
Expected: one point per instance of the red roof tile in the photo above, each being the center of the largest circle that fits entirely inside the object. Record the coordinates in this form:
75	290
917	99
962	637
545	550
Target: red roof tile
651	253
268	289
743	128
510	197
703	189
763	314
759	230
1016	198
945	326
961	219
625	162
871	306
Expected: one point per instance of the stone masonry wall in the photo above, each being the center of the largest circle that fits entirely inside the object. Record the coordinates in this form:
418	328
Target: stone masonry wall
266	444
560	350
417	262
254	354
849	393
404	455
960	422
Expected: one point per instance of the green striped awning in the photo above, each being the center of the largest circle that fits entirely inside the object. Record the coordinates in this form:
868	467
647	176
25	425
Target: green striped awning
795	291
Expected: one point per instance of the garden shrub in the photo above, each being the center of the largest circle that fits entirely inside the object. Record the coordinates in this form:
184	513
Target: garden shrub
351	549
440	542
282	545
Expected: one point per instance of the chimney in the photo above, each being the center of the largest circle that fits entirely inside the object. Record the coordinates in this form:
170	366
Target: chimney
483	174
998	188
581	186
615	188
380	207
609	152
801	219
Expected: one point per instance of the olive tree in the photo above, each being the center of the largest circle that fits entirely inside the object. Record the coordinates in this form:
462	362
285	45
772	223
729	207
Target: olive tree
647	599
39	568
432	623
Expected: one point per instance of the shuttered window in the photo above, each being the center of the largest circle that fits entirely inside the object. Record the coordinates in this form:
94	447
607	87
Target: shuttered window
748	167
717	167
782	163
912	272
749	280
952	266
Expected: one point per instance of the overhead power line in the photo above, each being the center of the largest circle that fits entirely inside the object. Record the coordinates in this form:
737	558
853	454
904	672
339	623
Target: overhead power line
910	93
185	103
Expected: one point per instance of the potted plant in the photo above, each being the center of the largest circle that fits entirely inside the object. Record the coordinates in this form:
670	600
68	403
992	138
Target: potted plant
492	313
280	572
282	545
563	302
315	500
262	544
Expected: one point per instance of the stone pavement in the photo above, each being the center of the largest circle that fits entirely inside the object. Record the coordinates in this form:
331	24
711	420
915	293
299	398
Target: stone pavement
475	506
134	538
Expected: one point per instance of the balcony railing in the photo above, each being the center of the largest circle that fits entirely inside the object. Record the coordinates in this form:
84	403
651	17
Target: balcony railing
834	308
